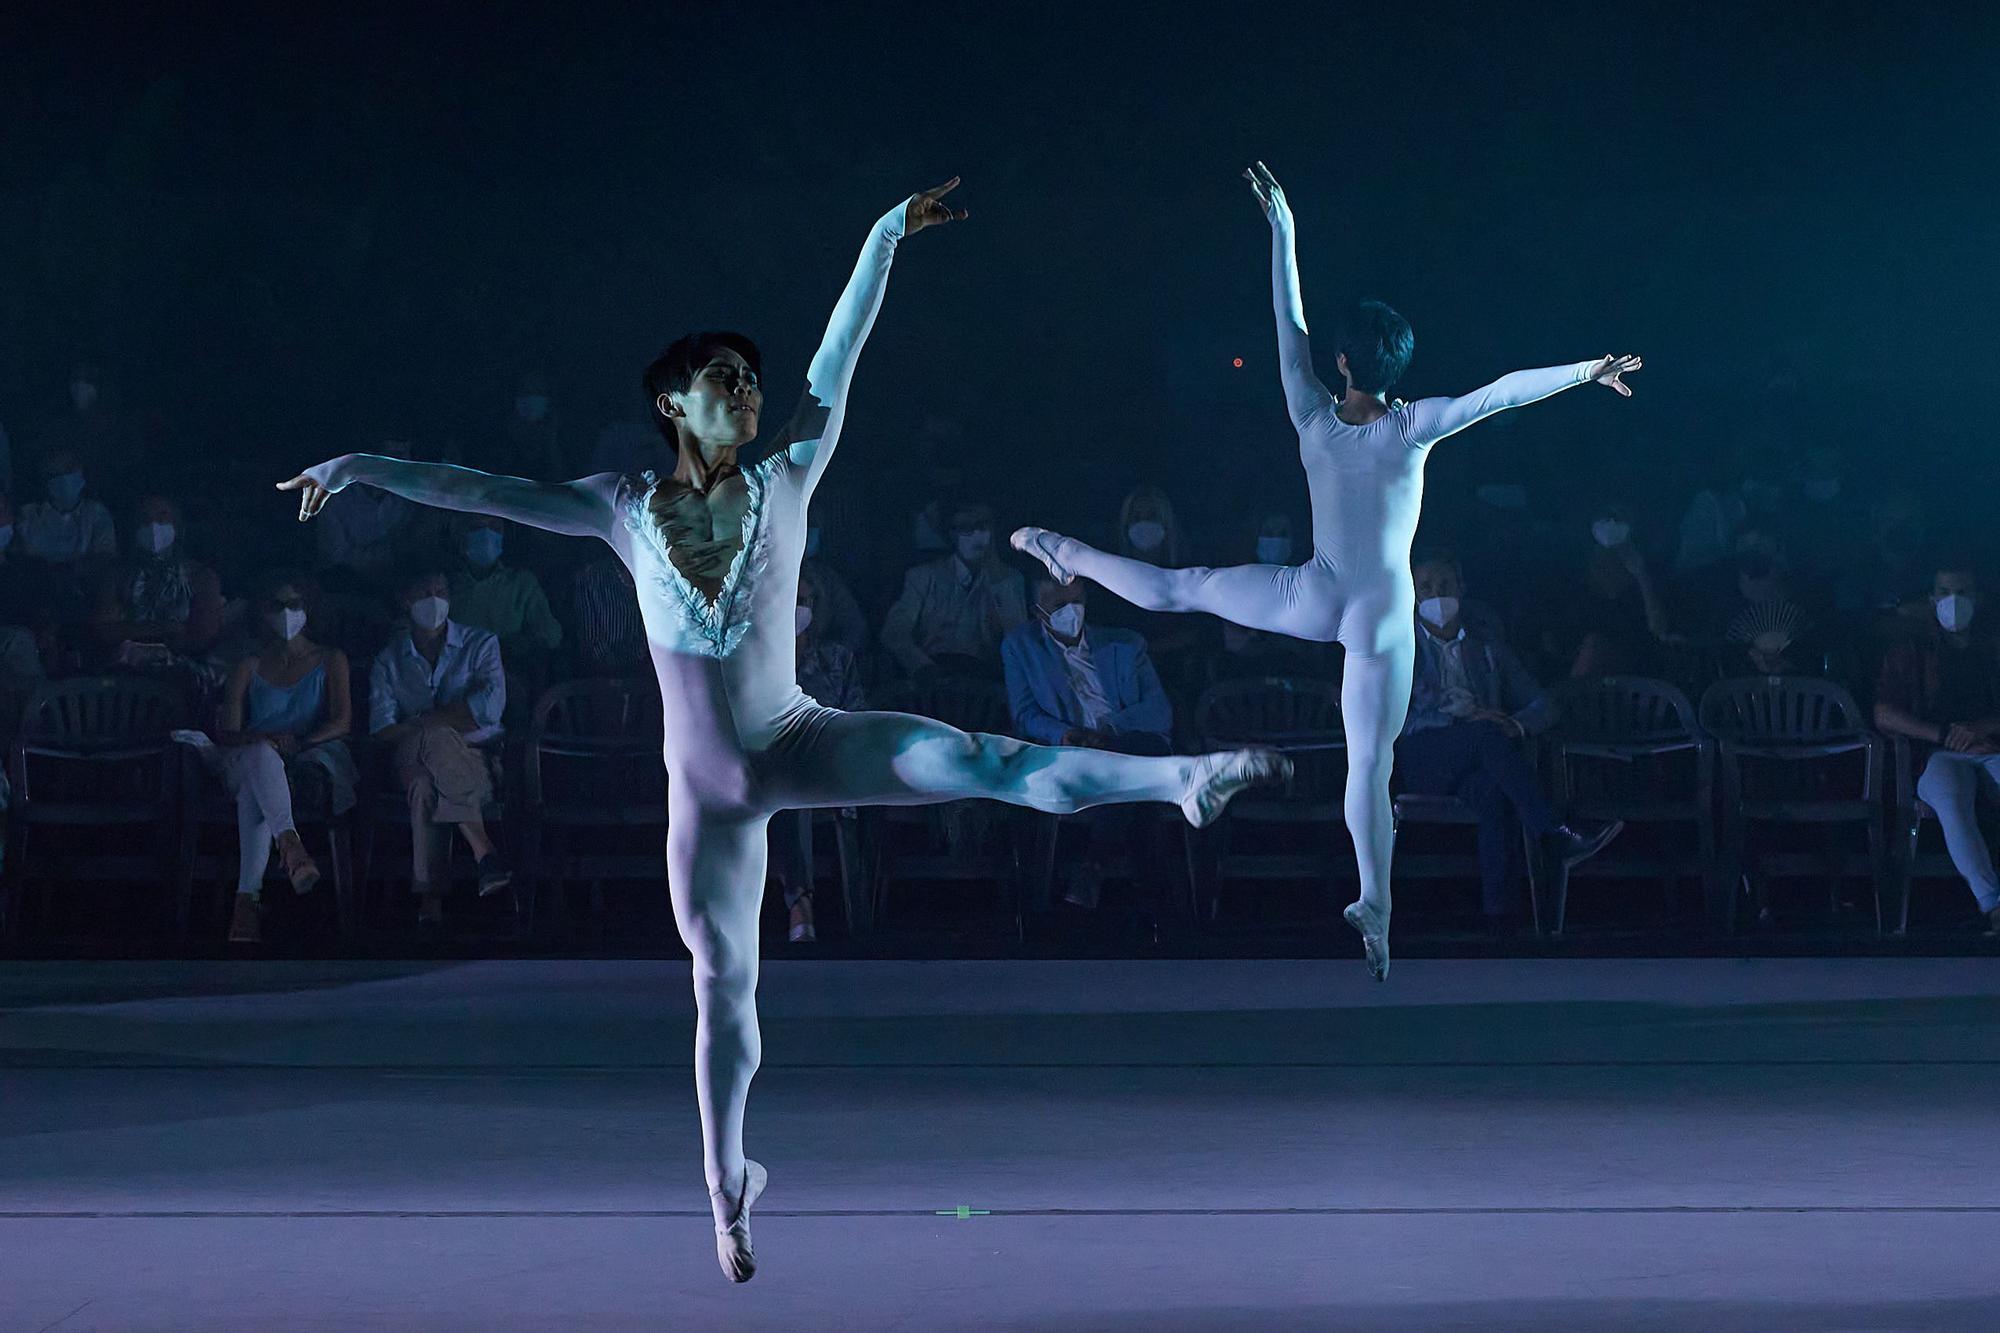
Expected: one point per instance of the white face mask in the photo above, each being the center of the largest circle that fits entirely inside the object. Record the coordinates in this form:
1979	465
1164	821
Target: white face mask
1954	611
1610	532
802	616
429	612
153	538
1438	611
1067	620
482	546
1147	535
286	622
531	406
1274	550
972	546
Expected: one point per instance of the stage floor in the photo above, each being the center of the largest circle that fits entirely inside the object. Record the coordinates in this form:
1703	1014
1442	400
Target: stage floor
1774	1145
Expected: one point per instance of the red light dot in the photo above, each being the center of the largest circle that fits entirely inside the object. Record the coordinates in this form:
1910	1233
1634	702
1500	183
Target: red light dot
1238	363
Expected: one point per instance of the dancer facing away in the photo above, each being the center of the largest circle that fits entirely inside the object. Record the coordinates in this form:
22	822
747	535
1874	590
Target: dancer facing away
714	550
1364	462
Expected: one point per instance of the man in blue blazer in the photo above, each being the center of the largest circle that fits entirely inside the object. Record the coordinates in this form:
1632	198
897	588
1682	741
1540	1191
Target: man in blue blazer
1069	684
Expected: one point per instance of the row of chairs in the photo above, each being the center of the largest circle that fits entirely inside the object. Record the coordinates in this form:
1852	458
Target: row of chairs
93	754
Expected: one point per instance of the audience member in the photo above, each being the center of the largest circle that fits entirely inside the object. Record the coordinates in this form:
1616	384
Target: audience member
490	594
1249	652
954	610
1069	684
1471	701
530	444
630	446
69	528
1717	514
281	730
1613	619
1181	645
1760	624
839	614
1940	687
94	428
160	611
940	443
435	695
1889	571
364	534
610	635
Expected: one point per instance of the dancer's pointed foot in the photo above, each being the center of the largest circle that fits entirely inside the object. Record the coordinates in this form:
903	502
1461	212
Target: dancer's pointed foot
1041	544
732	1239
1373	928
1217	777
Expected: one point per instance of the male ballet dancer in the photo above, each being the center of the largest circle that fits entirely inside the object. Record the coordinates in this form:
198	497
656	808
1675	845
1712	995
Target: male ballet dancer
1364	462
714	551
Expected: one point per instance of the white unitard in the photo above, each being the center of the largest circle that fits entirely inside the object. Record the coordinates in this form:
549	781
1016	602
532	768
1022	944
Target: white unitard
1367	487
742	740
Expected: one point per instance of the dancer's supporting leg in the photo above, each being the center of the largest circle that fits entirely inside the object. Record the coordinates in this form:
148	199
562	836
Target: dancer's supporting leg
1374	700
1294	600
901	759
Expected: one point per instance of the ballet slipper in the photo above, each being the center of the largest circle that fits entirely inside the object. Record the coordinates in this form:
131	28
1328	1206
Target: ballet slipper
1041	544
732	1242
1374	932
1217	777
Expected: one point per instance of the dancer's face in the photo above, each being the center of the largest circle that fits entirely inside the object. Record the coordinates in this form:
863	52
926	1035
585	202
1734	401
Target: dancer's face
722	406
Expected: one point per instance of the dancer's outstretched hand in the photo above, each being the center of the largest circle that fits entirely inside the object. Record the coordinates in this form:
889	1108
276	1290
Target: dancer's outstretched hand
1608	369
1269	193
315	484
928	209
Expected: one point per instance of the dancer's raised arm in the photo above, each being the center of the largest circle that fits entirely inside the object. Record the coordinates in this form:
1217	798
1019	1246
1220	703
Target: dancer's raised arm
584	508
1305	395
1431	419
815	427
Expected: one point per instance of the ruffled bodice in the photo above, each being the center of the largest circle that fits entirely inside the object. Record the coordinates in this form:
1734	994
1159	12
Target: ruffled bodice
708	602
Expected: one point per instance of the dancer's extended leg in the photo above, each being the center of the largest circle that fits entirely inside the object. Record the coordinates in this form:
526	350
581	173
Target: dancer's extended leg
715	875
901	759
1374	700
1294	600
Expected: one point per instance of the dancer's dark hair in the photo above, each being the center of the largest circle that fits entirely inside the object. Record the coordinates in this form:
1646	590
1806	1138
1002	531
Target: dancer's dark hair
1378	344
673	370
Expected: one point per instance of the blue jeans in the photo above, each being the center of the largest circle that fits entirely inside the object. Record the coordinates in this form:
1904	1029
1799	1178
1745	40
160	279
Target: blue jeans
1481	765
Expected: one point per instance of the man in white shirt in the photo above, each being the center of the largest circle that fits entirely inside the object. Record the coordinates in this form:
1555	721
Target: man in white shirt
435	692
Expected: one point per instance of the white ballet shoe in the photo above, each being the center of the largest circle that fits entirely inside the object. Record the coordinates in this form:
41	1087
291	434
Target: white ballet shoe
732	1242
1041	544
1217	777
1374	932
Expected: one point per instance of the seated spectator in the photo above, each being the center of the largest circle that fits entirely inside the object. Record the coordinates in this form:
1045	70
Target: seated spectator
490	594
830	677
1471	701
1889	572
281	728
940	442
610	636
630	446
69	528
838	613
954	610
435	693
1759	623
1941	688
1613	619
530	443
1250	652
1180	645
1718	514
364	533
21	600
1072	685
96	428
159	612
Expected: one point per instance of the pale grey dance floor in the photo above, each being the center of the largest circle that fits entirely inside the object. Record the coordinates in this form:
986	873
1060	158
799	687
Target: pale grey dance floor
1716	1145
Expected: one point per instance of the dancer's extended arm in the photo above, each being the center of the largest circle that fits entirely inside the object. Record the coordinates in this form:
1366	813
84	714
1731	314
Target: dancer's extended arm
1305	395
815	427
1431	419
583	508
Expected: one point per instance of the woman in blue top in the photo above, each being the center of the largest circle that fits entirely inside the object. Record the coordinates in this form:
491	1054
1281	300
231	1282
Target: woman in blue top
281	721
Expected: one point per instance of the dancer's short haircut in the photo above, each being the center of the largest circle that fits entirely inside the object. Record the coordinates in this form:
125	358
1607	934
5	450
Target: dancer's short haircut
673	370
1378	344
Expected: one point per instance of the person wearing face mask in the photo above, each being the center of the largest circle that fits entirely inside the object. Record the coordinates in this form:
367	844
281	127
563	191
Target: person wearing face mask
1149	532
160	611
1073	683
530	445
1941	688
1471	702
366	534
436	694
838	612
954	610
1717	514
490	594
1613	620
830	676
281	733
68	528
1249	652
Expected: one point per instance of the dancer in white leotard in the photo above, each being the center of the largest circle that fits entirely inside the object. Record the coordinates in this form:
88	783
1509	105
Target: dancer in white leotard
1364	462
714	551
